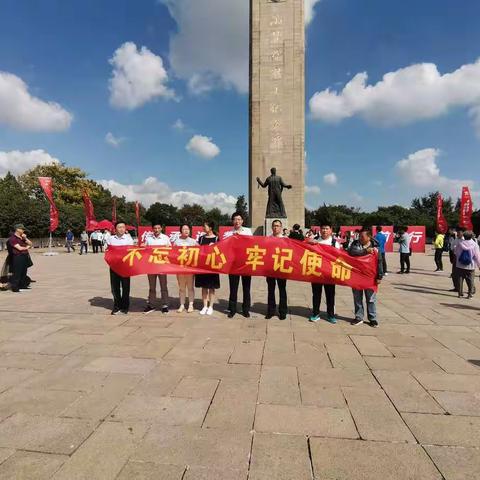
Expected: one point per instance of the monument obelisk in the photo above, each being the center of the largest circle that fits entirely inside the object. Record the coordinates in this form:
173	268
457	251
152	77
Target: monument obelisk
277	104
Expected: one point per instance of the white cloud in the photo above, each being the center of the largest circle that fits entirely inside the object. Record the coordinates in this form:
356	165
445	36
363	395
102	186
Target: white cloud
152	190
203	147
309	10
20	110
17	162
330	179
312	189
356	197
178	125
420	170
113	141
211	48
404	96
138	76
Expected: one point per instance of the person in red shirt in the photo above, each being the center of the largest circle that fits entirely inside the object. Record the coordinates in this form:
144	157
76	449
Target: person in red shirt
18	247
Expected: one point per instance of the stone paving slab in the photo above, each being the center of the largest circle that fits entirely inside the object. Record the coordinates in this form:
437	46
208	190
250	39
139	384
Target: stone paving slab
359	460
44	434
456	463
31	465
218	398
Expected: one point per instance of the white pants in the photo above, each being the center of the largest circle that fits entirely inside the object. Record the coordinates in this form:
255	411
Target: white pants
185	282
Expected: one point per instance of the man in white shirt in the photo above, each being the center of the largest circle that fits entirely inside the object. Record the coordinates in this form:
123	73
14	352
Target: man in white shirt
100	240
120	285
326	238
93	241
158	239
234	280
281	282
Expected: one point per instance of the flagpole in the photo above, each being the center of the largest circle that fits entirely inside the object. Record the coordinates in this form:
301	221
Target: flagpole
50	253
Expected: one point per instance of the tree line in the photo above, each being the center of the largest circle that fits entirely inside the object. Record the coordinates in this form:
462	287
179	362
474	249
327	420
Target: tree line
22	200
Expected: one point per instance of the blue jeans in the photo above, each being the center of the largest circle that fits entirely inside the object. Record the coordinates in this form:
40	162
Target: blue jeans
371	300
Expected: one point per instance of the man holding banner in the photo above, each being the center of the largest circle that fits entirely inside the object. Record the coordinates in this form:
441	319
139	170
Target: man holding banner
158	239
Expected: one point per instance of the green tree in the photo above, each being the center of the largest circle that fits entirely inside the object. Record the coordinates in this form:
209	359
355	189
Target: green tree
18	207
242	207
164	213
192	214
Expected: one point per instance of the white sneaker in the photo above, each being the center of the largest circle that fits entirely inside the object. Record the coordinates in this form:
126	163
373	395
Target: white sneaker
181	309
203	311
210	311
190	308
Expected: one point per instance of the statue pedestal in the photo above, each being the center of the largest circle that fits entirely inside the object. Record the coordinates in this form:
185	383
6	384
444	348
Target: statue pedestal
267	227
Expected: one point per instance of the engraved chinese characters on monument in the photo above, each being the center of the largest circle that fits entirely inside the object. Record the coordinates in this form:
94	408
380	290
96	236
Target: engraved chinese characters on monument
275	185
277	111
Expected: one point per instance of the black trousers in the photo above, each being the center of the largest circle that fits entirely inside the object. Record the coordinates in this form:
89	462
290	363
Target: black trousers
438	258
469	277
19	272
384	262
234	281
120	291
95	246
282	290
405	262
317	298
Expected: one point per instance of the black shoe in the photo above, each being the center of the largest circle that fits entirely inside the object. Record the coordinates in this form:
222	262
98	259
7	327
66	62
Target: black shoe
165	309
115	311
407	271
374	323
125	312
246	314
357	321
268	316
16	290
231	314
282	317
148	309
469	296
400	272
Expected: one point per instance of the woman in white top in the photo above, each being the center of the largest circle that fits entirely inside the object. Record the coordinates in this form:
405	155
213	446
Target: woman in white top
185	281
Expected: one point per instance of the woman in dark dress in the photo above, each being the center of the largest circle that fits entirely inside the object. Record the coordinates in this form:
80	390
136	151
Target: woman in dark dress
208	282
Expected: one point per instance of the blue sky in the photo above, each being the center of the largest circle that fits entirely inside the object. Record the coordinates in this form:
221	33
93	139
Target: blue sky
378	143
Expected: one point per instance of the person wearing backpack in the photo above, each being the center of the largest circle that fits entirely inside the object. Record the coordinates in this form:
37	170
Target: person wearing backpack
467	253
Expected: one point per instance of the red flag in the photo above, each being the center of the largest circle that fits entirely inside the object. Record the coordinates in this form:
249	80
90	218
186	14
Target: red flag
47	187
114	210
442	225
90	221
466	209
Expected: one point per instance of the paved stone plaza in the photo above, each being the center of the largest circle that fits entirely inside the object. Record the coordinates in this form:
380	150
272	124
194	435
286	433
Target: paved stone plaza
85	395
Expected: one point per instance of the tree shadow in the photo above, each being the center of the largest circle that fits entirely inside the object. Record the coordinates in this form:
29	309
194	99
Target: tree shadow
460	306
475	362
136	304
418	286
419	290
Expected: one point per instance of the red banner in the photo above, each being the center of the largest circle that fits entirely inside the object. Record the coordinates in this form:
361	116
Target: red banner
47	187
418	236
247	255
388	232
466	209
114	210
90	222
442	225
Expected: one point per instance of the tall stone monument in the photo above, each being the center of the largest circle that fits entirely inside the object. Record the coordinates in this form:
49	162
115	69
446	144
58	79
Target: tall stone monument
277	104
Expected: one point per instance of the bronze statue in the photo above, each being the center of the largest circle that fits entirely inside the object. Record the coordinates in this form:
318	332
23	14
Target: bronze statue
275	184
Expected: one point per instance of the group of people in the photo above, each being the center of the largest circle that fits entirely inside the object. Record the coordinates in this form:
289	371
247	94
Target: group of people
97	239
464	254
365	244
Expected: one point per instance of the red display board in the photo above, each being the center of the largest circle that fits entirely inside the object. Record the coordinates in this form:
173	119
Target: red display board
388	232
417	238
